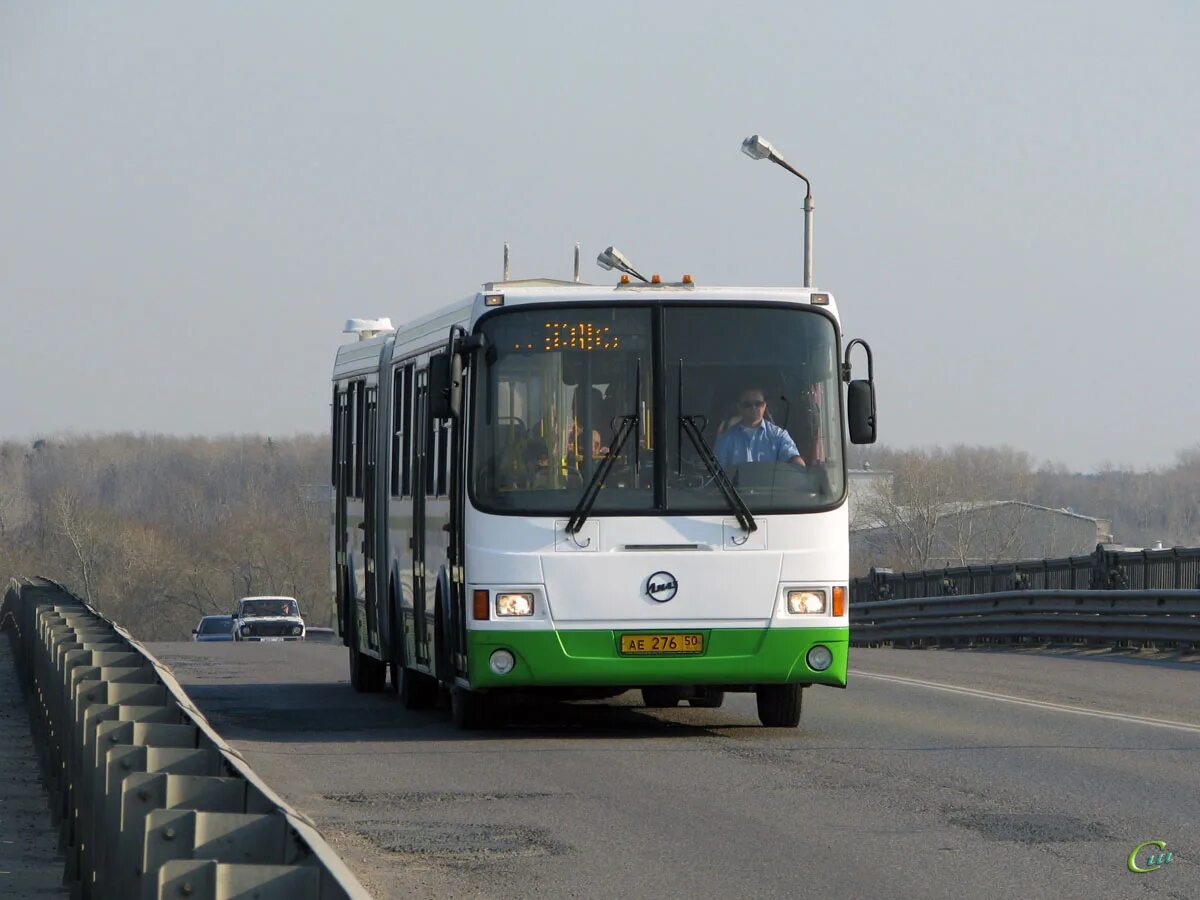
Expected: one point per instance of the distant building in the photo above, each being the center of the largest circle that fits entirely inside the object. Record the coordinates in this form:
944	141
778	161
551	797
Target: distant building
861	484
975	533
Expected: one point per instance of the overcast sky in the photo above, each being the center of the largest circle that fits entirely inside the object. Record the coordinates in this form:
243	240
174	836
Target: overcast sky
194	199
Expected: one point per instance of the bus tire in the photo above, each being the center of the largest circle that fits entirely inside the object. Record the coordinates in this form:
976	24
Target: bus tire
416	689
367	675
707	698
779	705
441	655
469	709
661	697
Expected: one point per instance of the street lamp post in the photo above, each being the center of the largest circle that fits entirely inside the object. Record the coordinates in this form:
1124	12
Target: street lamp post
759	148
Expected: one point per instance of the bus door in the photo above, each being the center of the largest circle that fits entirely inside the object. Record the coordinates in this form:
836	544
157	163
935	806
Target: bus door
370	525
341	438
417	537
455	551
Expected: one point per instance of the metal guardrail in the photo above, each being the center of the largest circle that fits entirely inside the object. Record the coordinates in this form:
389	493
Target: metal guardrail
150	801
1177	568
1164	618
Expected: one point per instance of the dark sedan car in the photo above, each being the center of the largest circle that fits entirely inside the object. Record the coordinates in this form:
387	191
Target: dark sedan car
214	628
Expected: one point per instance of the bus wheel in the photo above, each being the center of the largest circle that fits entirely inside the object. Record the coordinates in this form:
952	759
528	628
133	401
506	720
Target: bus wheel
469	709
707	698
779	705
368	676
416	690
661	696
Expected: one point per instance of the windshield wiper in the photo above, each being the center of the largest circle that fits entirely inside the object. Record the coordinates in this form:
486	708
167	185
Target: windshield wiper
687	424
592	491
737	504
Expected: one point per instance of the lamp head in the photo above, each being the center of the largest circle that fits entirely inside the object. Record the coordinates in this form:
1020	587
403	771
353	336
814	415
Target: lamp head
612	258
757	147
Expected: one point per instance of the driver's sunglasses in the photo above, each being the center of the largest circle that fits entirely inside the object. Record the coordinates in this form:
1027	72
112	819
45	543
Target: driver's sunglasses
751	404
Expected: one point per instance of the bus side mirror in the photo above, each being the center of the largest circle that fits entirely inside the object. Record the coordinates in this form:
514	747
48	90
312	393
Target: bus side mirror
442	387
860	411
860	397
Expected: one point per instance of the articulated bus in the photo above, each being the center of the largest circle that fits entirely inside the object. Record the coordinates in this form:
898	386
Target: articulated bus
593	489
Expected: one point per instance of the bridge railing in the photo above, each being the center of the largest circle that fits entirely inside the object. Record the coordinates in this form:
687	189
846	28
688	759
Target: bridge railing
1177	568
150	801
1163	618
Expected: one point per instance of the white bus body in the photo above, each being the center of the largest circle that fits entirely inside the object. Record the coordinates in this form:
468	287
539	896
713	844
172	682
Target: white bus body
465	553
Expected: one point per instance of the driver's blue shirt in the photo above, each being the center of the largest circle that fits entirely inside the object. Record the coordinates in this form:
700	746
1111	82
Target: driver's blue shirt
766	443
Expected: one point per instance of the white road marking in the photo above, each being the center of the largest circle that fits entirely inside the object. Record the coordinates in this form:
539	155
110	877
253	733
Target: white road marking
1039	704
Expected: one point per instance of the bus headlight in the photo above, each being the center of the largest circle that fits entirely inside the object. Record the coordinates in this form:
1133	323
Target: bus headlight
819	658
514	604
501	662
799	602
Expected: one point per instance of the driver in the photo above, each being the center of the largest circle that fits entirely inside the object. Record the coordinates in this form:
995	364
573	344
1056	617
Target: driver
753	438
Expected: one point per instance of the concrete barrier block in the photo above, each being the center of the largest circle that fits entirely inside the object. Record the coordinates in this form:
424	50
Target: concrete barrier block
210	880
242	838
120	763
143	793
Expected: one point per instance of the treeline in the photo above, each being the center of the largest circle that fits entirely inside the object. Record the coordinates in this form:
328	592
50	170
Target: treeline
1143	507
158	531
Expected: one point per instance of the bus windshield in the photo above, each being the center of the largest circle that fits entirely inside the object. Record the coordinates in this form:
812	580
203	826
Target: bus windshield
758	383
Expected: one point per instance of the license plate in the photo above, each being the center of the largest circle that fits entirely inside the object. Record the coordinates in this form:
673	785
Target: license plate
662	643
271	639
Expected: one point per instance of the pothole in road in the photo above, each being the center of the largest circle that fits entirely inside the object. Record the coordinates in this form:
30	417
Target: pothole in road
1032	828
433	797
452	842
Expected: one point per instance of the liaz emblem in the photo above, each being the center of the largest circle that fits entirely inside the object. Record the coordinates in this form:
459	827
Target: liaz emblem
662	586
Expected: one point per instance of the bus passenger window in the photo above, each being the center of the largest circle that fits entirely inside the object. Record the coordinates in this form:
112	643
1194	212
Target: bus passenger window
431	461
406	443
443	456
398	431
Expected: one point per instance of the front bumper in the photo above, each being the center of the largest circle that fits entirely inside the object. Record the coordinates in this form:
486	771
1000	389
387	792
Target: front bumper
275	640
732	656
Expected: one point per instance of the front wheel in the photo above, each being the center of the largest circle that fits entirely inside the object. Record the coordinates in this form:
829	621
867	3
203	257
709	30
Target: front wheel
661	697
707	698
367	675
470	709
779	705
416	689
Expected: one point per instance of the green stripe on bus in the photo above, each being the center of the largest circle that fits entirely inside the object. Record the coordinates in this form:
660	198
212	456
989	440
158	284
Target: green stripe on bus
593	659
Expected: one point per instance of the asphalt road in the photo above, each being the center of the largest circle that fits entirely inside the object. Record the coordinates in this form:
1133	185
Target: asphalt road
935	774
